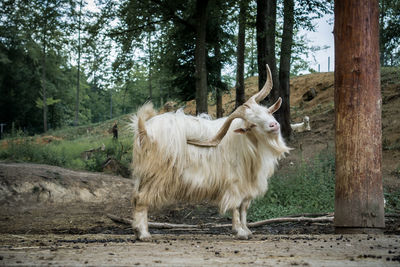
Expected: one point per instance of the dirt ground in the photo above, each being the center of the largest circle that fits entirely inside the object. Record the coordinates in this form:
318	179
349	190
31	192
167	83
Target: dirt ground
54	216
200	250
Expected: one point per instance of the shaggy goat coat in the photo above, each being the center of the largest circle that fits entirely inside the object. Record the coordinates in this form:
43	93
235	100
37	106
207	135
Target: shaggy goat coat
166	169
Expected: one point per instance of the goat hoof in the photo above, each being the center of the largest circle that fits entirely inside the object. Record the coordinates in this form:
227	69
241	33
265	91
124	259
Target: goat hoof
242	234
145	237
249	233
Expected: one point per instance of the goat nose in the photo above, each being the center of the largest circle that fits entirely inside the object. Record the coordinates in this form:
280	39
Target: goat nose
273	124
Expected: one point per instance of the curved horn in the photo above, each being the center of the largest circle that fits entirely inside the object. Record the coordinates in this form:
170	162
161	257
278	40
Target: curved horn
238	113
266	88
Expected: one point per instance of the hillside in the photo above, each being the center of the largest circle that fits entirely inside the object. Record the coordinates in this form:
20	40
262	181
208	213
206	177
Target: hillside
319	107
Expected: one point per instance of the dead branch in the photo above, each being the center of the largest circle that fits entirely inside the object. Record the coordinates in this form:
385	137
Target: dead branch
290	219
157	225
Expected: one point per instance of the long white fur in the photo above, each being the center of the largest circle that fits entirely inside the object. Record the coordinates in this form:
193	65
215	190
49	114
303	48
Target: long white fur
236	170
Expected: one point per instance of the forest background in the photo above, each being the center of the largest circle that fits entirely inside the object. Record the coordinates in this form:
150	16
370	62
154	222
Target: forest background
75	62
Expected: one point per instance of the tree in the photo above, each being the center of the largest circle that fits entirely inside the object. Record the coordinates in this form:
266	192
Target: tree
283	114
79	66
220	47
266	27
47	25
39	65
389	21
267	41
261	27
240	96
200	57
358	136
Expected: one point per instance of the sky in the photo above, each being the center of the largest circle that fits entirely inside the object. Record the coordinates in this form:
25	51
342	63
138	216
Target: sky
323	36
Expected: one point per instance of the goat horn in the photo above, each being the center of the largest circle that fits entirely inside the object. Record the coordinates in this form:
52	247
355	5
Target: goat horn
238	113
265	90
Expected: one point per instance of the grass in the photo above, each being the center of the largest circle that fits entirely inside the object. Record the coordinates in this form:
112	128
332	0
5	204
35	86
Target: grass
69	153
307	188
69	144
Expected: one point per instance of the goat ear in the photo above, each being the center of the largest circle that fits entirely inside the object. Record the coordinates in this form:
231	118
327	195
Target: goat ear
245	130
275	106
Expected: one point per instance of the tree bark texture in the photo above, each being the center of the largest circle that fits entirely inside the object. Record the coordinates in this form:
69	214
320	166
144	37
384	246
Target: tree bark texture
44	89
79	67
44	92
261	27
218	89
200	57
240	96
266	24
358	105
283	114
149	33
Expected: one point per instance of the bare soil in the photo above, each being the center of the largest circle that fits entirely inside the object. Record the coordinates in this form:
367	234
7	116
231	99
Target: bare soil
53	216
200	250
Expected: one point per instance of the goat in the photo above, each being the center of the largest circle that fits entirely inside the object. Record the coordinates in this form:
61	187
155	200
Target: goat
226	162
302	126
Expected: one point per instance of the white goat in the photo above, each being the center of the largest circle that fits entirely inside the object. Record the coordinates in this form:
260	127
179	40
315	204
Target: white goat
302	126
229	169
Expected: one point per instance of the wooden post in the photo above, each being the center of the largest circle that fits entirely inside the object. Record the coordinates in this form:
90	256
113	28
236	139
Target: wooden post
358	195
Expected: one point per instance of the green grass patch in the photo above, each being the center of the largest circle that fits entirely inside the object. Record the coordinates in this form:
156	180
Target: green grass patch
68	145
69	153
392	201
307	188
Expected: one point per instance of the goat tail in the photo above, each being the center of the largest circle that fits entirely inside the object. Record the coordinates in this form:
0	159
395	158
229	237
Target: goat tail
143	114
138	123
146	111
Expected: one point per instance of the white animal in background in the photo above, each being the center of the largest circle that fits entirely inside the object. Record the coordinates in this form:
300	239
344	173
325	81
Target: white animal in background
302	126
226	162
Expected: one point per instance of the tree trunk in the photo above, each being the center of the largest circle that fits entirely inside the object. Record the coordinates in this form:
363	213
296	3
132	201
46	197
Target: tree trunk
261	27
252	70
44	43
218	93
283	114
44	92
150	65
358	106
240	96
200	57
79	67
265	24
382	14
270	53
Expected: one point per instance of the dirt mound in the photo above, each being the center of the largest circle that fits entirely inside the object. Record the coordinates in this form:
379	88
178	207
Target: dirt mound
42	198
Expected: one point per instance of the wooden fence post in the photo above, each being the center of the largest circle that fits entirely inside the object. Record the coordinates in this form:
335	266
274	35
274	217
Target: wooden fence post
359	203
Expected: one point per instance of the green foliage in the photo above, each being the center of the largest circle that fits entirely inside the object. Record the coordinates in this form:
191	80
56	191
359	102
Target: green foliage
389	21
70	152
308	188
392	201
50	101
